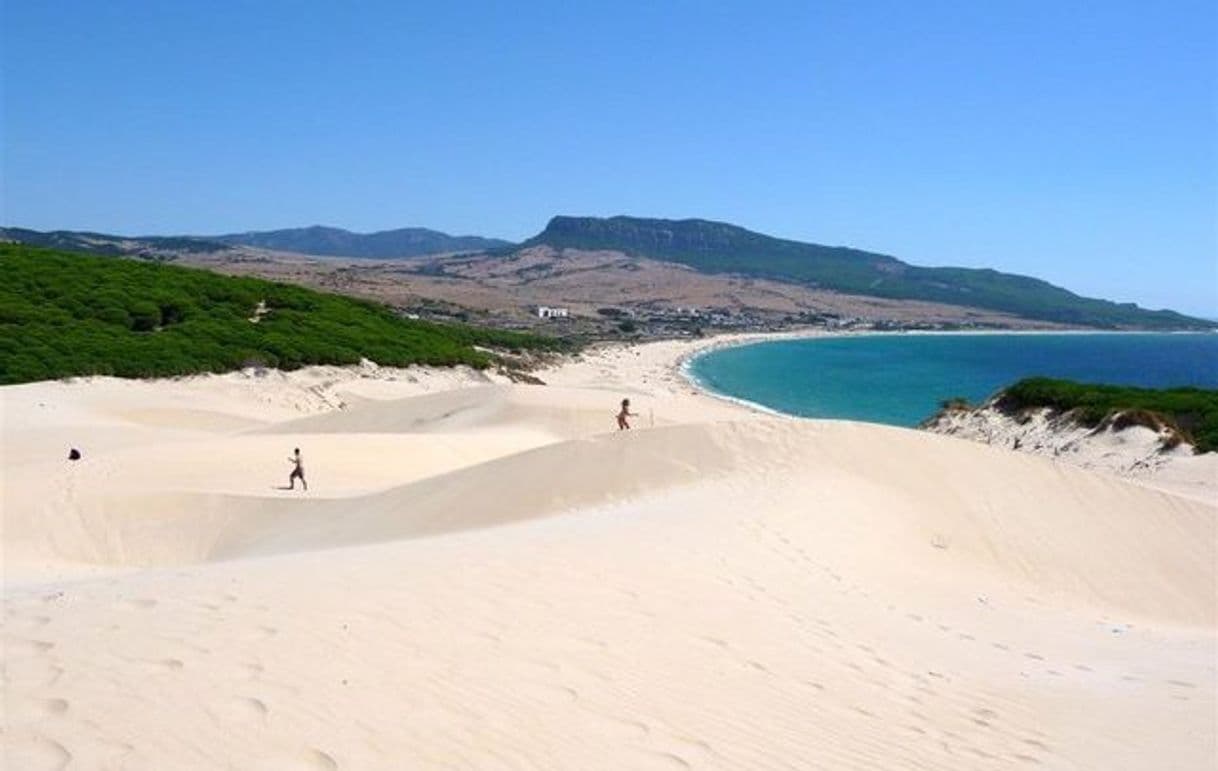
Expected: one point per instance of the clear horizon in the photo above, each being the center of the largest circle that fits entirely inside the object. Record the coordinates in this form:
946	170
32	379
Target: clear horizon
1075	144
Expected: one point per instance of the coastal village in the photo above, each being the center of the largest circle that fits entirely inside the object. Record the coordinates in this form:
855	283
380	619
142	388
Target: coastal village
659	321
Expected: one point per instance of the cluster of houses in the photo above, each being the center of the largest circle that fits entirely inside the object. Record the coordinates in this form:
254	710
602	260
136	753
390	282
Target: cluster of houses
661	321
651	321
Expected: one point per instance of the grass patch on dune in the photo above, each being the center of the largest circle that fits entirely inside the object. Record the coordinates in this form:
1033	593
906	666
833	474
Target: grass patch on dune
65	314
1189	414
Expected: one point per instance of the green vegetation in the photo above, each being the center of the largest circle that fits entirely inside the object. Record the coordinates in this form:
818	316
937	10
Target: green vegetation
955	403
717	247
64	314
1191	414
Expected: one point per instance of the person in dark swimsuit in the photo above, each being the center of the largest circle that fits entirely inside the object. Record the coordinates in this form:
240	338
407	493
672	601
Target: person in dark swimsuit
622	423
297	471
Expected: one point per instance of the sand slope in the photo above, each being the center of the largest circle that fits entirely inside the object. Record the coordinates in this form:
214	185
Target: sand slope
487	577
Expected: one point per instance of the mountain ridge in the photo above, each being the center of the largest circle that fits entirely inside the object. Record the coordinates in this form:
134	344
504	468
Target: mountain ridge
719	247
316	240
108	244
328	241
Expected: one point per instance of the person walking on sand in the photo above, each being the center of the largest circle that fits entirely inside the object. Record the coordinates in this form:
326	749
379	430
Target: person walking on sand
297	471
622	423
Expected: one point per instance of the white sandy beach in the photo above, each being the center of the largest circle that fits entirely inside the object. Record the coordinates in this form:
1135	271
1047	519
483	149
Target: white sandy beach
486	575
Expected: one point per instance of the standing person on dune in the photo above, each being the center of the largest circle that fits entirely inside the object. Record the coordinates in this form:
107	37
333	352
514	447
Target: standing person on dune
297	471
622	423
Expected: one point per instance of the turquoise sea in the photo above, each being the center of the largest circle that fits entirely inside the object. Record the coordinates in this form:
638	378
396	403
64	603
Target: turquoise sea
901	379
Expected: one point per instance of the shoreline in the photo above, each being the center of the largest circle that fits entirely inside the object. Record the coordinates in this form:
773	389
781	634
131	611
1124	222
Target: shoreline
733	340
683	363
1194	477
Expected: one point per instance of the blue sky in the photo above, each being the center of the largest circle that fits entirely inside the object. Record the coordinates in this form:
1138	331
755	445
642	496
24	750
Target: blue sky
1073	141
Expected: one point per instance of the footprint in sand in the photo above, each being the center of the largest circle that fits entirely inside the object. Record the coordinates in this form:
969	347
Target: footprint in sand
37	709
621	727
651	759
243	709
55	706
548	693
251	670
37	673
260	632
30	622
36	753
306	760
167	665
25	647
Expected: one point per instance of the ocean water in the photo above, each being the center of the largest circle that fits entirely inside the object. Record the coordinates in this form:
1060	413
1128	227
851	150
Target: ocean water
901	379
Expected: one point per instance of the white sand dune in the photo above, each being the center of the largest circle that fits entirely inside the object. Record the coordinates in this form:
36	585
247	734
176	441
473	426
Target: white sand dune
487	576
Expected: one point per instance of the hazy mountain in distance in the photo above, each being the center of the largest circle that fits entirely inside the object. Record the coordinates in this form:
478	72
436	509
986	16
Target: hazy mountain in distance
718	247
336	242
112	245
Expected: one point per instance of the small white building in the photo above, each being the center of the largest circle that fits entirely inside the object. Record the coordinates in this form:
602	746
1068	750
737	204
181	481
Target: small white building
546	312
